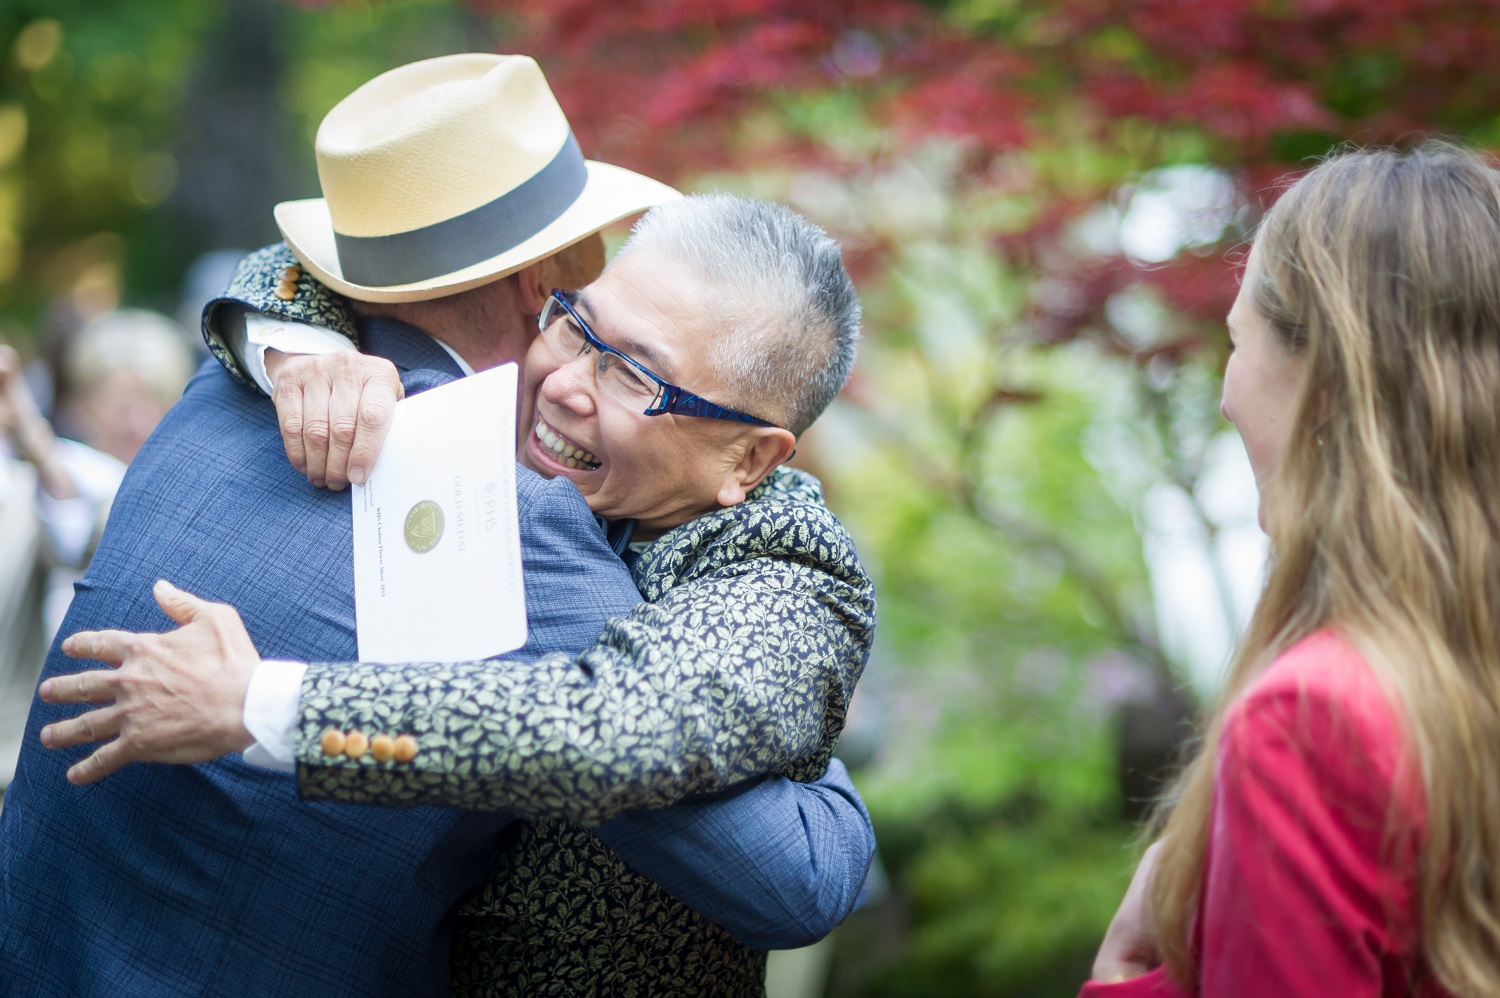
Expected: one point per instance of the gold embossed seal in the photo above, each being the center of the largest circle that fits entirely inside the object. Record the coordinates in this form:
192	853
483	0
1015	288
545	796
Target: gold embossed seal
424	526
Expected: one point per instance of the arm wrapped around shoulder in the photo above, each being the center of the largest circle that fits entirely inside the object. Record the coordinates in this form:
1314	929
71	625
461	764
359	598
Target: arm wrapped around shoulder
743	665
789	858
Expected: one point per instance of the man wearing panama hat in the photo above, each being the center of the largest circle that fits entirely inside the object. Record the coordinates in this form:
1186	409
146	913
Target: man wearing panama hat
439	178
450	188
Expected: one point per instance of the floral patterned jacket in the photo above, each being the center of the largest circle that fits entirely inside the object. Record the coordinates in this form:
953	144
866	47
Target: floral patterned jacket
757	624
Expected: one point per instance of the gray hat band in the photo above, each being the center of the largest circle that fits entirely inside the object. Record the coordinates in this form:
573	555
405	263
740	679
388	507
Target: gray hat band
477	235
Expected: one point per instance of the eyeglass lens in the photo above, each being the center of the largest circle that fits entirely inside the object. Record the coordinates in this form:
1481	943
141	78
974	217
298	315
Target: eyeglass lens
617	378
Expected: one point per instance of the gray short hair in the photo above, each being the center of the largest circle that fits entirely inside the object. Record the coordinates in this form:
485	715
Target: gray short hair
780	293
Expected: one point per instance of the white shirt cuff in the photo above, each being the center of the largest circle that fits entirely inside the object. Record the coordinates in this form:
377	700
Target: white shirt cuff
271	714
262	333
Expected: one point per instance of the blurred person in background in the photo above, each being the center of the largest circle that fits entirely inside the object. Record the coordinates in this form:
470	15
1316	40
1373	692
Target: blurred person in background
1338	832
117	376
23	641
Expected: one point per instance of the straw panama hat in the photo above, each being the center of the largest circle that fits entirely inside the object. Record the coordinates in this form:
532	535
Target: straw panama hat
447	174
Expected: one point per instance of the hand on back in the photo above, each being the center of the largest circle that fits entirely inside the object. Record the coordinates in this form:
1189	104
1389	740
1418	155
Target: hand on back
334	411
173	697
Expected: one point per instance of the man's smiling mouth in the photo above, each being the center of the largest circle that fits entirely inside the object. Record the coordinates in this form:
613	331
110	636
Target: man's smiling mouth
563	451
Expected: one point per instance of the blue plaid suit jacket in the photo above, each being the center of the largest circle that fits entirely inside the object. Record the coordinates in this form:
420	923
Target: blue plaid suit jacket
215	879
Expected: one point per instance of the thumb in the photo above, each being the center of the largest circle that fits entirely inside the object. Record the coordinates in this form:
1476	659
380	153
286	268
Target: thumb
182	607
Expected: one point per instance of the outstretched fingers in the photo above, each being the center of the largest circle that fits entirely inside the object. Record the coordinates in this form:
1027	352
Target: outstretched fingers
177	697
90	726
109	647
109	758
179	604
94	686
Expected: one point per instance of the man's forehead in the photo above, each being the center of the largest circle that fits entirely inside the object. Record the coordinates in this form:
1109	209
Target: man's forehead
643	341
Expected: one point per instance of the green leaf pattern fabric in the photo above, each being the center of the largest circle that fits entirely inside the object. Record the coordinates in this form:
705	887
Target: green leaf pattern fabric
758	621
564	916
254	286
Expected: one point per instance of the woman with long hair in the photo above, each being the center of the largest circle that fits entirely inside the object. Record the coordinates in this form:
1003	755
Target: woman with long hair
1338	832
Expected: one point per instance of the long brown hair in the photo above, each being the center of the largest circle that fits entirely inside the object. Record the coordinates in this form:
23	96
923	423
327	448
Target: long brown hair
1382	269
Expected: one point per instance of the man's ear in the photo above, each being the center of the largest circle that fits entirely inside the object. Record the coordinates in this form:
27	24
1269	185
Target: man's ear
766	448
532	289
570	268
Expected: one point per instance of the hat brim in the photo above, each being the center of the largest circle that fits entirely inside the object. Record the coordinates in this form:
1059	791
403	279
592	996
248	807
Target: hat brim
611	193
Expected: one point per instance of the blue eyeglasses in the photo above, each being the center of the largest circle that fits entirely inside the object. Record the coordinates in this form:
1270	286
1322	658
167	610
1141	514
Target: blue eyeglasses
621	376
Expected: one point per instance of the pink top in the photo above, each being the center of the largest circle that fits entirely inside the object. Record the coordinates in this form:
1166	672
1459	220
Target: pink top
1303	895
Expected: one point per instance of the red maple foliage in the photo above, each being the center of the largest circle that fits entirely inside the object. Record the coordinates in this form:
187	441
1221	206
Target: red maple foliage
665	86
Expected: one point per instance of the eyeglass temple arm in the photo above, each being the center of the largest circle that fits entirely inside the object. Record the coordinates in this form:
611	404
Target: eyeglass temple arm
697	405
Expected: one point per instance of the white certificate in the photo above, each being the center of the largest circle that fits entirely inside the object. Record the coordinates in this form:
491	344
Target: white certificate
437	553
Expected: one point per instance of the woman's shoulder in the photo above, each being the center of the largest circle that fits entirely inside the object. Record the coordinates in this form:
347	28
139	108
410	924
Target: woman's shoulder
1325	667
1321	700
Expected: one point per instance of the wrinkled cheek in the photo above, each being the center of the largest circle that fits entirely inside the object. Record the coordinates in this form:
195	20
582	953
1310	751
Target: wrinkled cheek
606	502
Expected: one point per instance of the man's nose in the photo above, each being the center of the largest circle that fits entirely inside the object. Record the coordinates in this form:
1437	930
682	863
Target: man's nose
574	384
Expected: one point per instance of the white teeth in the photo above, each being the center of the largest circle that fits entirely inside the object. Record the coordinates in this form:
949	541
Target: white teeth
567	454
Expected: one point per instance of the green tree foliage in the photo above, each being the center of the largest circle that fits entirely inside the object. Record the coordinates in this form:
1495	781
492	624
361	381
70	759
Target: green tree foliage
135	136
84	133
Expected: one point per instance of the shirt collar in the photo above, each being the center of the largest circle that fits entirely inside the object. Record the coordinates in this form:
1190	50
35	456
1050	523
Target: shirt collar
463	365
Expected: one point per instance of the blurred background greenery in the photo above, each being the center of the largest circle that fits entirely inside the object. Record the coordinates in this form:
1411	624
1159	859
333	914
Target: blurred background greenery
1041	202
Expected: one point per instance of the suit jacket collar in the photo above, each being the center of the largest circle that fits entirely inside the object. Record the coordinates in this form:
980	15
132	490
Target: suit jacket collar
422	362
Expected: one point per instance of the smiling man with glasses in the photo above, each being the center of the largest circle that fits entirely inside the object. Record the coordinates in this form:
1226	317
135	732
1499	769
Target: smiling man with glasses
631	382
637	446
740	664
